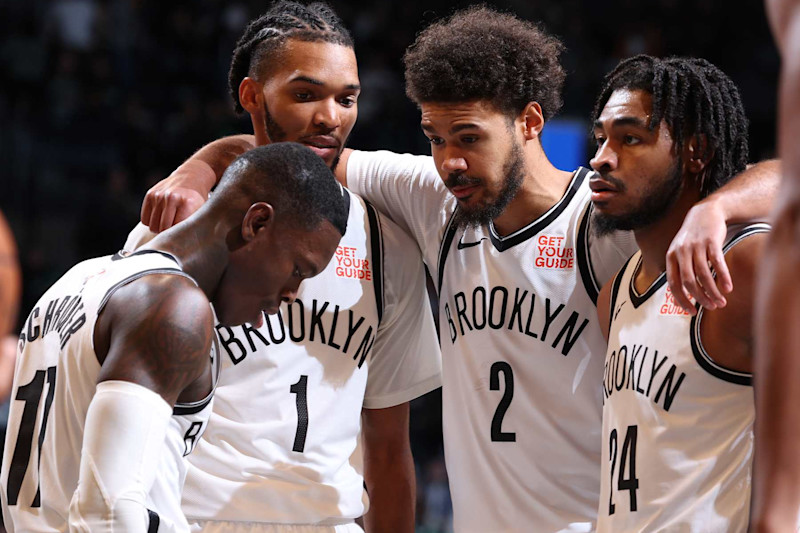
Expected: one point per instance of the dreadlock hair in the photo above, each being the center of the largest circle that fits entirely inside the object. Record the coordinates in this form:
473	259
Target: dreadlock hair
694	98
268	33
482	54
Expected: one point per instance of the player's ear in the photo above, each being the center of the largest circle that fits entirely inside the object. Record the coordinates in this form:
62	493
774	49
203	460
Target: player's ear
697	153
260	216
532	120
251	97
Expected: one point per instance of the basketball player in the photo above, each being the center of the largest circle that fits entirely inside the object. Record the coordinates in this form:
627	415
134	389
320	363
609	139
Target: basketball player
678	411
507	238
113	382
776	469
358	336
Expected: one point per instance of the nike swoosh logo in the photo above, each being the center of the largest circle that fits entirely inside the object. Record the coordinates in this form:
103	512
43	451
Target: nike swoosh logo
461	244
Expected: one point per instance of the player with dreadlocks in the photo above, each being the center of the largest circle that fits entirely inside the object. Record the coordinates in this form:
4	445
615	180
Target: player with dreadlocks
678	411
346	357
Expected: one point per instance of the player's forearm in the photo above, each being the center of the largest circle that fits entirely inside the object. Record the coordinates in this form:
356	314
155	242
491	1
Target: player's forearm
209	162
388	470
392	494
776	468
220	154
749	196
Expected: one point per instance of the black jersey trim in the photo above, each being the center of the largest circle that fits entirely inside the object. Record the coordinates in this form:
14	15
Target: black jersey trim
700	354
502	244
638	299
114	288
585	266
376	240
447	241
154	521
615	285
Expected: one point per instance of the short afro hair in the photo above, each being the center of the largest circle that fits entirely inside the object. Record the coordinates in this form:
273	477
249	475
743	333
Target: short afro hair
694	98
482	54
293	179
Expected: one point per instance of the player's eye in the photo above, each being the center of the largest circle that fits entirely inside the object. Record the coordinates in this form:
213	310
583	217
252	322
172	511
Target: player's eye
436	140
348	101
631	140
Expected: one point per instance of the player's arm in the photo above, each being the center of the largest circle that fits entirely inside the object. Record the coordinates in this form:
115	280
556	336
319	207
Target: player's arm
174	198
748	196
776	468
388	470
153	341
727	332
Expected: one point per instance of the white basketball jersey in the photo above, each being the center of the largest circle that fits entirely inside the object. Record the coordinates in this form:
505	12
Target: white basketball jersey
282	443
521	349
54	382
677	427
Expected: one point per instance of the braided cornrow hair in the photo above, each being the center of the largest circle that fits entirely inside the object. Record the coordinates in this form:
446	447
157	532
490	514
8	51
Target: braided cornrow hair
693	97
285	20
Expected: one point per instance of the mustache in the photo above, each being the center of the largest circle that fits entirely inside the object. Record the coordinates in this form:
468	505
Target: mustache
615	182
459	180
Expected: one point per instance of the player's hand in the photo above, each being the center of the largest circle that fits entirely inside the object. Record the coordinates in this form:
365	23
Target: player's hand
695	250
173	199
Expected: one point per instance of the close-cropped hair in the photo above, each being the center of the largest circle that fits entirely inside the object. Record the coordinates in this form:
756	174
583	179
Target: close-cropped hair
265	37
482	54
290	177
695	99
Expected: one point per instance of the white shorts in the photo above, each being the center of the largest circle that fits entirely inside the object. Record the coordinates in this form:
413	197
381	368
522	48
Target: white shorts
216	526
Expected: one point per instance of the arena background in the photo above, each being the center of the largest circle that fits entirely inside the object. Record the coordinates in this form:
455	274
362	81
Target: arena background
99	99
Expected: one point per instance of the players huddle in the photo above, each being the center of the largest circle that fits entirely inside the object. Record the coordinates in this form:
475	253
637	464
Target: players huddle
580	394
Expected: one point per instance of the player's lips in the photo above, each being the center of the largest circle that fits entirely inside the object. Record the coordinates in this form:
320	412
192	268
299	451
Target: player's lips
602	190
325	146
462	192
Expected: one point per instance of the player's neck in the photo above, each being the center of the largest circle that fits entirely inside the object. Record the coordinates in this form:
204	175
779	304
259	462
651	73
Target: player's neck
654	240
542	187
200	249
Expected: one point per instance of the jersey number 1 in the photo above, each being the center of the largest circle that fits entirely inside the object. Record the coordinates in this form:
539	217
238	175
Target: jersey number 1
300	388
31	394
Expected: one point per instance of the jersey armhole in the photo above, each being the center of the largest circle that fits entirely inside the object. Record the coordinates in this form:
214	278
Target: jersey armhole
698	350
585	257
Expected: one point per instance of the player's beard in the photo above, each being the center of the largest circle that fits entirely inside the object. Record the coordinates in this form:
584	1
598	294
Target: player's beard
277	134
513	174
653	206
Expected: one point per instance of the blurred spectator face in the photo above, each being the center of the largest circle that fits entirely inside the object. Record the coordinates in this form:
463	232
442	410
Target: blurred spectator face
477	155
641	172
310	96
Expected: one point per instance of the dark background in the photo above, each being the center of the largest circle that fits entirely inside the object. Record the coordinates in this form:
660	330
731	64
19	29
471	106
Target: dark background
99	99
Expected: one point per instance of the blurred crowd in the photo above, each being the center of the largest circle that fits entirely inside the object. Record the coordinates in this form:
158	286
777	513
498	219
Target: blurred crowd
99	99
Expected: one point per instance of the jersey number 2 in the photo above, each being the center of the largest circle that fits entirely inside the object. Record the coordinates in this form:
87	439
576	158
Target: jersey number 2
31	394
301	401
627	459
498	435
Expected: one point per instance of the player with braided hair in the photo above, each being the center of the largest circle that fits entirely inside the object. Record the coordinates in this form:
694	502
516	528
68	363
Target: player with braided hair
678	406
343	360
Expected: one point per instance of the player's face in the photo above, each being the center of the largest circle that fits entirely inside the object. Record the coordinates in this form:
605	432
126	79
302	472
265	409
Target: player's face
640	171
477	156
310	97
269	269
